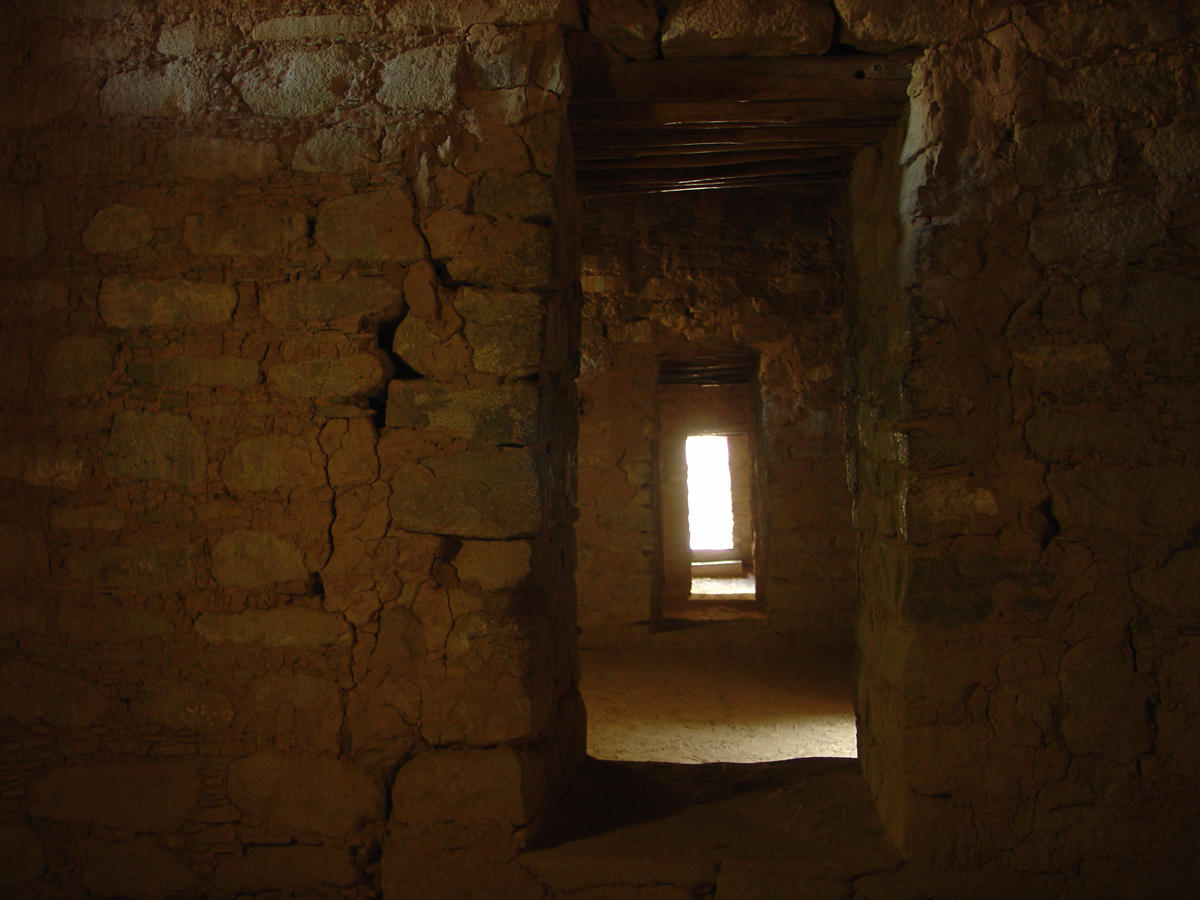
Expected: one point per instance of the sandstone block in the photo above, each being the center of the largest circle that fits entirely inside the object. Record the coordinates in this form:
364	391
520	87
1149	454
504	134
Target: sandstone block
118	229
190	36
95	152
113	625
499	60
272	461
1066	236
347	376
137	868
22	227
1103	709
31	693
507	414
504	330
489	252
424	79
311	794
424	16
144	797
289	626
184	371
21	856
494	565
96	10
42	463
99	518
1153	500
255	558
303	83
305	710
34	96
631	26
1123	87
350	445
309	28
293	868
1163	300
943	506
1174	151
746	28
148	446
26	298
1094	431
524	197
154	569
214	159
335	150
1173	587
19	615
178	88
78	366
133	303
183	706
1070	366
479	495
1065	154
244	231
414	336
23	554
878	26
936	593
370	299
373	225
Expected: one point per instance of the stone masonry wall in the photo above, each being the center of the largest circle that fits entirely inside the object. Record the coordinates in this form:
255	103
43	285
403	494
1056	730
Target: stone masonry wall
288	421
679	275
1025	346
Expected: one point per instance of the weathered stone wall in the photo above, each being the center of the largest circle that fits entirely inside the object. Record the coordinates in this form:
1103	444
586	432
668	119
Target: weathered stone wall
1025	348
696	274
288	422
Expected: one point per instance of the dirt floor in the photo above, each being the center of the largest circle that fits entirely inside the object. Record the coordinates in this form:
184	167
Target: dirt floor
718	692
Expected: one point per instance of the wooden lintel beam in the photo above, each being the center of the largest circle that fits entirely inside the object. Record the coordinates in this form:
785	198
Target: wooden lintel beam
593	155
719	158
700	175
831	112
595	139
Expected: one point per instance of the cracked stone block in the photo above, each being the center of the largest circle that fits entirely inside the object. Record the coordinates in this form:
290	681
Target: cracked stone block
506	414
1093	431
188	37
746	28
134	868
372	225
490	252
505	330
182	371
1070	366
1065	154
244	231
879	26
272	461
149	797
96	152
303	709
118	229
289	626
1103	707
425	16
1162	300
22	858
294	868
148	446
1145	500
424	79
358	374
133	303
311	794
31	693
309	28
96	10
184	707
1125	231
83	625
178	88
155	569
255	558
43	463
19	615
1172	587
22	227
371	299
1123	87
526	196
631	26
479	495
1174	151
215	159
303	83
350	445
23	554
335	150
494	565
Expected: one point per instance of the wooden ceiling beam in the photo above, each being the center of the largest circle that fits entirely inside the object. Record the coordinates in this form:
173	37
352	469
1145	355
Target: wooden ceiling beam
771	112
595	139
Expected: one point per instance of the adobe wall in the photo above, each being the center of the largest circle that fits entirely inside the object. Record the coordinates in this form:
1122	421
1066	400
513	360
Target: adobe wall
693	274
1025	338
288	421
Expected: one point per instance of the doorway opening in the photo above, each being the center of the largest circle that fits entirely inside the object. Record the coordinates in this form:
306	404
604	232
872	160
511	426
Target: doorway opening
720	526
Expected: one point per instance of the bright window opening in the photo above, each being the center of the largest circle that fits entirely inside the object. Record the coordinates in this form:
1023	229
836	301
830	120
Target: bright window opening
710	492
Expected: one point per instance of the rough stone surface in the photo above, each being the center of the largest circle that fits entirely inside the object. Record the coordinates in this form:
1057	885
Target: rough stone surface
21	856
140	868
877	26
421	79
480	495
375	225
182	371
184	707
630	26
78	366
133	303
746	28
315	794
273	461
244	231
1065	154
307	28
22	227
254	558
347	376
118	229
111	626
504	329
1125	231
1165	300
285	627
214	159
179	88
43	464
500	415
150	569
495	565
146	797
32	693
335	150
1174	152
148	446
370	299
297	868
303	83
490	252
